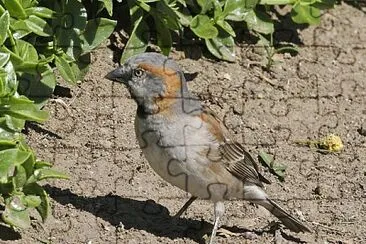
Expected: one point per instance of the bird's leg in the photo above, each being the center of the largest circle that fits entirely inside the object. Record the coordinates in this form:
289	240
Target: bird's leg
185	206
219	212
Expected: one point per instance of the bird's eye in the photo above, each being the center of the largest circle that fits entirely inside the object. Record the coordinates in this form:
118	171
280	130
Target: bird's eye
138	72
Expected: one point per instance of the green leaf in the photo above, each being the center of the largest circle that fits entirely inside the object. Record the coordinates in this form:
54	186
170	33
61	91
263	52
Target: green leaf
8	81
38	87
307	2
96	31
8	138
135	11
41	12
250	4
259	22
183	2
71	17
81	67
20	176
237	10
15	9
3	82
15	213
162	10
184	16
22	108
203	27
4	58
226	27
222	47
238	15
65	69
280	171
14	156
275	168
324	4
29	3
29	164
4	23
277	2
163	36
32	201
14	123
305	14
167	15
217	9
139	38
205	5
28	67
38	26
108	4
46	173
35	189
42	164
9	158
26	51
234	5
19	29
71	20
265	159
6	169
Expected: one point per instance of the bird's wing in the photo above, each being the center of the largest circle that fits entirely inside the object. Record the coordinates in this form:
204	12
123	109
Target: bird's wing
236	160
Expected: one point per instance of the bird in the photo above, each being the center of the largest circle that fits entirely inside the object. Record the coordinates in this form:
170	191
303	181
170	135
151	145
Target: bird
187	145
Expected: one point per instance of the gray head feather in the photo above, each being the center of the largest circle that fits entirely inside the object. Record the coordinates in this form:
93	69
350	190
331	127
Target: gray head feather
155	59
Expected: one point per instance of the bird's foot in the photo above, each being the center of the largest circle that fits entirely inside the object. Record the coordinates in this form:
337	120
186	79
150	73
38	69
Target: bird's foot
222	232
227	233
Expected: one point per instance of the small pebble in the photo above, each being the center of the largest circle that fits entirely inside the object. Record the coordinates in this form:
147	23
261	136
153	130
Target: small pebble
227	76
362	130
317	190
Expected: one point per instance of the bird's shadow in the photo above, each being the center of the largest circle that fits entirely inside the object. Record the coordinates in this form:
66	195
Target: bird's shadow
129	213
141	215
149	216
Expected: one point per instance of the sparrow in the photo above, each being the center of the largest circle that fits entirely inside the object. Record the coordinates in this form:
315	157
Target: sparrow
187	145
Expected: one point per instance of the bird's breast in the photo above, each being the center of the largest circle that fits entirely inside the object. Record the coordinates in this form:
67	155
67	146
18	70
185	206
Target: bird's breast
177	152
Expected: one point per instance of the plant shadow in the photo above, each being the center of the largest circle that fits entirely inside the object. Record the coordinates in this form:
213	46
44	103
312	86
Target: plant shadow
358	4
8	234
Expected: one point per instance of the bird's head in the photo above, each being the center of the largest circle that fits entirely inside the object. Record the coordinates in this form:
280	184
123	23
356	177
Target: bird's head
155	81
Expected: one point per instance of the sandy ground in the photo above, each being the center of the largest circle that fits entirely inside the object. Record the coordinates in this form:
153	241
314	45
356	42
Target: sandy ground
113	195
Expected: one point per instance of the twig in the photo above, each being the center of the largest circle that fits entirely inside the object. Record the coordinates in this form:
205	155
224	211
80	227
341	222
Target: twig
266	79
63	104
326	227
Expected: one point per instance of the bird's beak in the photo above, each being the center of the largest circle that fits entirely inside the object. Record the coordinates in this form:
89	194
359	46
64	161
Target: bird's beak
119	74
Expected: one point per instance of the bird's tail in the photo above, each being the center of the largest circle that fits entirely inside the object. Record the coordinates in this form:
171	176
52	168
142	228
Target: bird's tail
288	220
258	196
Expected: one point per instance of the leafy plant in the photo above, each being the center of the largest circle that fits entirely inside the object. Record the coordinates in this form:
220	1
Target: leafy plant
41	35
271	50
36	38
20	171
211	21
